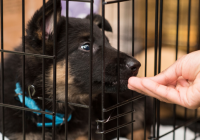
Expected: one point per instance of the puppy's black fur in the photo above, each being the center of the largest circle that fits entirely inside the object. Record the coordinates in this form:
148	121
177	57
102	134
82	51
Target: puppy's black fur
78	73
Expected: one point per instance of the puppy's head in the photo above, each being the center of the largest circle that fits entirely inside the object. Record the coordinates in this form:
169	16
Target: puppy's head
79	47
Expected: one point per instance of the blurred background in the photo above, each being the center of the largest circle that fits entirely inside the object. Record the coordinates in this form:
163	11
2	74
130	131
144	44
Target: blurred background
13	31
12	20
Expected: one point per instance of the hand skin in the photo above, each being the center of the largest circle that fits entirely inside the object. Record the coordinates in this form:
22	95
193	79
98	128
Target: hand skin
179	84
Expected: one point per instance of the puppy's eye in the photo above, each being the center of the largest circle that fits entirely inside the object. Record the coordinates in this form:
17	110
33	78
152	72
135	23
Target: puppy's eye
85	47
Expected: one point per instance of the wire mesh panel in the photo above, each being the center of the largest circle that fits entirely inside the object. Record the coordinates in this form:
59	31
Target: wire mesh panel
142	110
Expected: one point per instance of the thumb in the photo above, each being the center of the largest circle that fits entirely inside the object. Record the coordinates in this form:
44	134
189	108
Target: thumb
169	75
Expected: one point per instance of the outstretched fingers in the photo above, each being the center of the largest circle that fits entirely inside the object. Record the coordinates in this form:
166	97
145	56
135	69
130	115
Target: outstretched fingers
169	75
139	87
151	88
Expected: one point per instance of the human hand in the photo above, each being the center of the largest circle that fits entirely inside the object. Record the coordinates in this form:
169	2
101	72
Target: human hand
179	84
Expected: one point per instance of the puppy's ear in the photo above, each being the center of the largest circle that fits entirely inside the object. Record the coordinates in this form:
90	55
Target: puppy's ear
97	19
35	25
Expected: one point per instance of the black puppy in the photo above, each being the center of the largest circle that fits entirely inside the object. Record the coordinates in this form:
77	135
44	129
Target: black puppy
78	81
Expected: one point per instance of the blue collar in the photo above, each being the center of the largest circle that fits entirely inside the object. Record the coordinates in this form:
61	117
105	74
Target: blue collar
30	103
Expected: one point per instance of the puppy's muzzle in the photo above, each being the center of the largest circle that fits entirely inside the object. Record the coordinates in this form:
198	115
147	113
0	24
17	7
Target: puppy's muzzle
133	65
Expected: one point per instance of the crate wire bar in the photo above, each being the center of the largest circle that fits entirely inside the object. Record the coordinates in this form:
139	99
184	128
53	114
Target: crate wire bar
145	69
90	76
24	108
133	53
103	66
27	54
66	71
118	63
188	50
199	28
198	48
23	69
177	27
2	73
156	103
54	67
159	63
43	72
155	65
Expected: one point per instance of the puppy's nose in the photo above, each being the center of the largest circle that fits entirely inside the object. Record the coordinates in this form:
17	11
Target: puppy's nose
133	65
